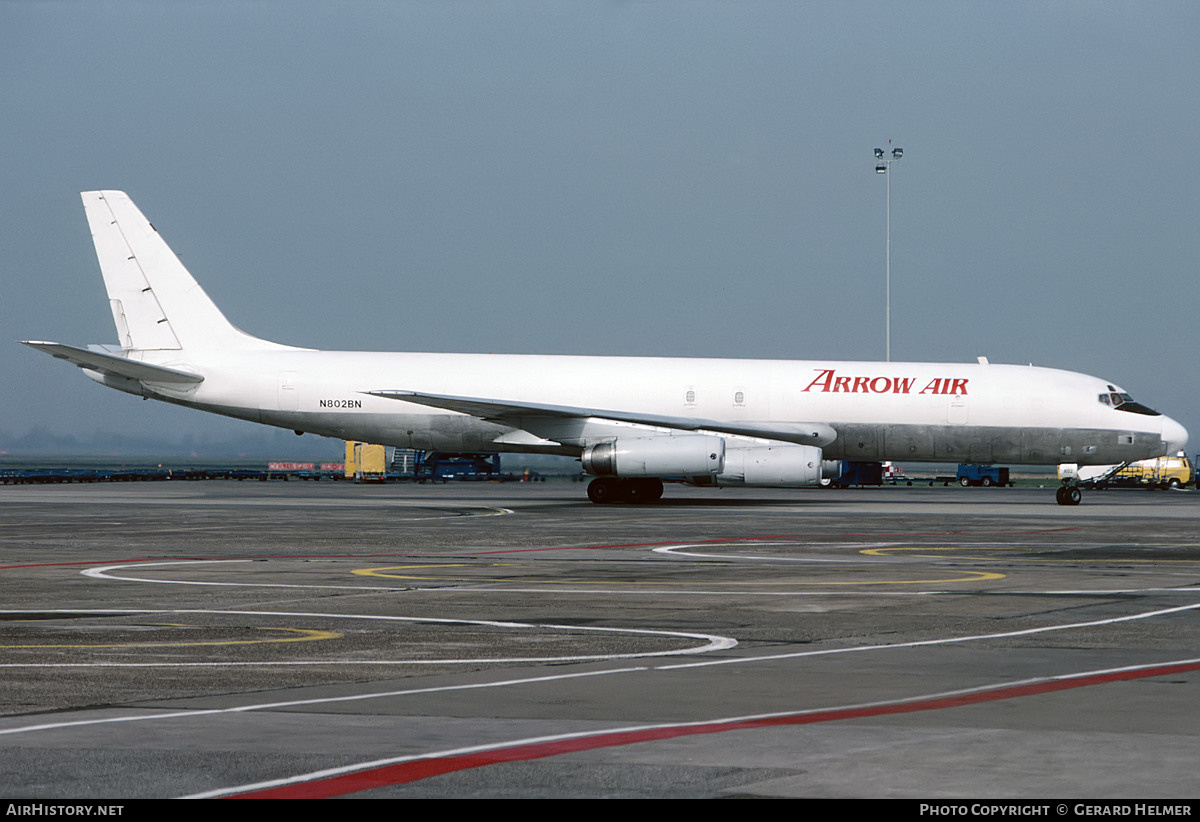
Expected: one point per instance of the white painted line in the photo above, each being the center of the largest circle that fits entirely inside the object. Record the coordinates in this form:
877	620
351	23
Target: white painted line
711	642
741	660
271	706
633	729
677	551
947	641
105	572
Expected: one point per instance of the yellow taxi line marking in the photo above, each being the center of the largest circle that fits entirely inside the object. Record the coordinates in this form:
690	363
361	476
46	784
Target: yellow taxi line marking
306	635
970	576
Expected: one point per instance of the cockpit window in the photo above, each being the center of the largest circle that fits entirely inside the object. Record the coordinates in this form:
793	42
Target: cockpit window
1124	402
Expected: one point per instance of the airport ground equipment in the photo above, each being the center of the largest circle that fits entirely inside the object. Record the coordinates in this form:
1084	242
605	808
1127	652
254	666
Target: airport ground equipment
971	474
1174	471
857	473
42	474
404	463
366	462
443	466
966	475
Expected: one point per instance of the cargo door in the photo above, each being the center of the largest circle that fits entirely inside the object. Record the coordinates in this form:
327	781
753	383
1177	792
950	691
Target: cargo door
956	411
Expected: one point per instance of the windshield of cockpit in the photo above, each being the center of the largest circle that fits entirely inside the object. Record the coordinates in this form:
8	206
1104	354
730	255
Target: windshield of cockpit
1123	402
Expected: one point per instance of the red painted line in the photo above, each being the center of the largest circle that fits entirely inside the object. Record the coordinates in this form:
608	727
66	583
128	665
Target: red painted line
412	771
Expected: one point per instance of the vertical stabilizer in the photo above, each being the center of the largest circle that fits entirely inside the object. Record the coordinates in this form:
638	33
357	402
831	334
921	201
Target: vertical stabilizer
156	304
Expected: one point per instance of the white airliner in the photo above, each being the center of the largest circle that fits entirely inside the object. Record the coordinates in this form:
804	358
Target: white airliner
634	421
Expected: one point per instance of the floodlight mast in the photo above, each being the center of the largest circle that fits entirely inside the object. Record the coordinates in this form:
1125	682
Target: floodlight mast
883	164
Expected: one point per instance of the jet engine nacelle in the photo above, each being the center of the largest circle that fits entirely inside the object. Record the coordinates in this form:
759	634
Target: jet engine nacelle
688	455
777	466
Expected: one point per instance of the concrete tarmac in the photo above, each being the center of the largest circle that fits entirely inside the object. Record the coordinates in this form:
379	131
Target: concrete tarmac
324	639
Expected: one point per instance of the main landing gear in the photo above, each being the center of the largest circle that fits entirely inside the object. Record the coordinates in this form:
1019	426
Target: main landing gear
603	490
1068	495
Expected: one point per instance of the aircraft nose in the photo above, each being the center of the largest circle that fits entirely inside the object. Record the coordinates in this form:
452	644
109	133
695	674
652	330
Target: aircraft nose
1174	435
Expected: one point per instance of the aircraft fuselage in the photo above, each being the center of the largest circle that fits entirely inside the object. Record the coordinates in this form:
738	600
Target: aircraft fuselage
880	411
633	421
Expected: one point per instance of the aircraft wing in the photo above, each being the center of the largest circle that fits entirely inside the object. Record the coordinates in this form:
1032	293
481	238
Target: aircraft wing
113	364
520	414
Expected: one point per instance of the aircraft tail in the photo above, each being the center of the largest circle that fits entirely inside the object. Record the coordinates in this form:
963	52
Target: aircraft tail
156	304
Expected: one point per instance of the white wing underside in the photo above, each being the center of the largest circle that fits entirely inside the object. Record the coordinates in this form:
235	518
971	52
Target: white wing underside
569	424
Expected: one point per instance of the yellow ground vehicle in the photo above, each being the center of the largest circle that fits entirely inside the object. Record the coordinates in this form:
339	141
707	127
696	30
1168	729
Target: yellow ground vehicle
365	462
1160	472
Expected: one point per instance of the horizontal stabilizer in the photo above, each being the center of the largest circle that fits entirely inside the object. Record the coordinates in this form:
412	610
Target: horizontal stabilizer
113	364
508	411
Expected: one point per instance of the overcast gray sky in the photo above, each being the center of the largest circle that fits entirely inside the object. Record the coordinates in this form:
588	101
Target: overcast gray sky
670	178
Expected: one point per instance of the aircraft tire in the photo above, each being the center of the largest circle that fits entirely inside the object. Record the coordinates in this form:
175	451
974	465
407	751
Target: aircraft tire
1068	495
605	490
644	490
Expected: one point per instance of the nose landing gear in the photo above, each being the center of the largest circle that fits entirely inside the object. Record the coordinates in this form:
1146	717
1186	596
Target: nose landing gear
1068	495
